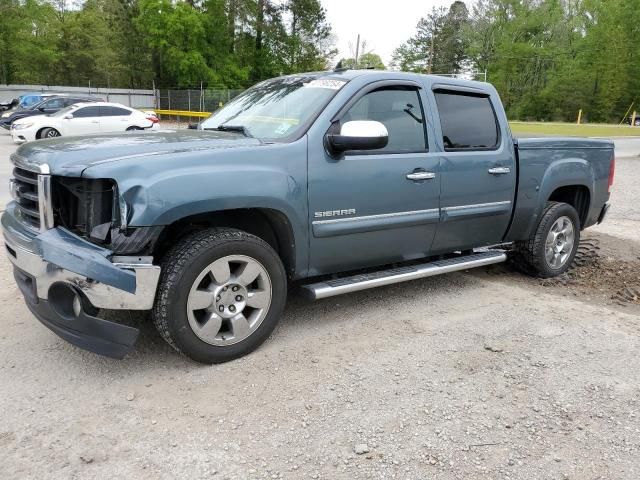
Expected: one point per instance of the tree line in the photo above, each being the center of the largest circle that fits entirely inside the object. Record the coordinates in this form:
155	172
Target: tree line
135	43
547	58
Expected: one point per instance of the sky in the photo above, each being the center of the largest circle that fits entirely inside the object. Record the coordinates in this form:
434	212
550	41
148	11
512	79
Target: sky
383	24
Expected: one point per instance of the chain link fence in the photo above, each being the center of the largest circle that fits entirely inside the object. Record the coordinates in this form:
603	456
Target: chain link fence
194	100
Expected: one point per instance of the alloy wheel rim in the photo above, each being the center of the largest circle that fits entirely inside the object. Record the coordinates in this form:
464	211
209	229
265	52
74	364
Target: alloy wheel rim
52	134
559	243
229	300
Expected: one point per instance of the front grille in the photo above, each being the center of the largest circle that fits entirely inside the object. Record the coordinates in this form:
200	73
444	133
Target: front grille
25	192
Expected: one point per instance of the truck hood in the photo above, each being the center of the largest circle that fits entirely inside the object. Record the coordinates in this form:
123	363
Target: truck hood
71	155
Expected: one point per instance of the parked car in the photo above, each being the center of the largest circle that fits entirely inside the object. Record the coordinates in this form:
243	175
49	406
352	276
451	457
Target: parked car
334	182
82	119
634	121
9	105
47	106
29	99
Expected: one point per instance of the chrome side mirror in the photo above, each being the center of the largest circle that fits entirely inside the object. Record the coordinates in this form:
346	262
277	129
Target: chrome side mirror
358	135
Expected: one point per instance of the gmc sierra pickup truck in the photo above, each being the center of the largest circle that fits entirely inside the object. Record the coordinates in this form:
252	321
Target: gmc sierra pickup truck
333	182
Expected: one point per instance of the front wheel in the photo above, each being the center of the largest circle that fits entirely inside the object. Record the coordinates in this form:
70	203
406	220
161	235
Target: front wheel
220	295
550	251
49	133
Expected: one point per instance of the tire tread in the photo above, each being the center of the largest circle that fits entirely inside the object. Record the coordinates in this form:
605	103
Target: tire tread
173	265
525	256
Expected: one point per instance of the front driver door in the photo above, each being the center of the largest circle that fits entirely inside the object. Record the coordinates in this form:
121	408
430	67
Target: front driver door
52	106
380	206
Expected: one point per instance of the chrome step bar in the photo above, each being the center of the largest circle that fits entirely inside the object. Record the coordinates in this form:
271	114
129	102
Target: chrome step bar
355	283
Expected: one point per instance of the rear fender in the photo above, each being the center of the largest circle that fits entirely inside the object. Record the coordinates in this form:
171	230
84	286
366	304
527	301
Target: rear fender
537	184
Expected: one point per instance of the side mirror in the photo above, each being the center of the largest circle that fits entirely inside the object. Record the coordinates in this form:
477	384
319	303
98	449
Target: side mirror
68	116
41	109
358	135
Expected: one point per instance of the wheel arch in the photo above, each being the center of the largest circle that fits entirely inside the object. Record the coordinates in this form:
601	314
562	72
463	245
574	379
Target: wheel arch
42	129
271	225
578	196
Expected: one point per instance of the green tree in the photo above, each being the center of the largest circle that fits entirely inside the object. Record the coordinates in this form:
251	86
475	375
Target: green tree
28	34
309	40
366	60
439	44
176	34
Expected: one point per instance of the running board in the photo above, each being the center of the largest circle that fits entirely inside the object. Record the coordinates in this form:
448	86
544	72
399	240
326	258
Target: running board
355	283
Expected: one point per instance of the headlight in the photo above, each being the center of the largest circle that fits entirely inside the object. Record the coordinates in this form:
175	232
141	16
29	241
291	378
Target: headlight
87	207
6	115
22	126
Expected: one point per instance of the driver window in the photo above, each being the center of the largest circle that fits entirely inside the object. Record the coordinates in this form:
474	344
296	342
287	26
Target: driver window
55	103
398	109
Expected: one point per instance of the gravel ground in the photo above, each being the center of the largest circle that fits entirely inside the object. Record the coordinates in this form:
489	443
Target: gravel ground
481	375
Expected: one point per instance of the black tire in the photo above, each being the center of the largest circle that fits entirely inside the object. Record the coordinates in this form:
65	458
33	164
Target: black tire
49	133
133	129
529	256
181	267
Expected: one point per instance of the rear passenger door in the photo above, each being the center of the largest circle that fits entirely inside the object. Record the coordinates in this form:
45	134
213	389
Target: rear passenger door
114	119
478	178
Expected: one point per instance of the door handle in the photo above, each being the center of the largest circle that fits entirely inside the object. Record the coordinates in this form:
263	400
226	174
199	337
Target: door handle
499	170
417	176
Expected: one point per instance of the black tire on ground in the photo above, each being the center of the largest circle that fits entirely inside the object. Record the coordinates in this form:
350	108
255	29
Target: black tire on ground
529	255
49	133
183	264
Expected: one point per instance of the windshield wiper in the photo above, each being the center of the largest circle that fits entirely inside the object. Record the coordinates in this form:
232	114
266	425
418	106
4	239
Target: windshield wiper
234	128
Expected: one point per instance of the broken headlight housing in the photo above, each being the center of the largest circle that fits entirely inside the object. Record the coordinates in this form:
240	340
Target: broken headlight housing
87	207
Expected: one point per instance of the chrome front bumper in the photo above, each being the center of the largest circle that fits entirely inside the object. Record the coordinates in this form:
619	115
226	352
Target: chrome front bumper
23	252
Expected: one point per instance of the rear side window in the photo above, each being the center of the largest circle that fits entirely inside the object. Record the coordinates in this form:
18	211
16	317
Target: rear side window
468	121
86	112
115	112
54	103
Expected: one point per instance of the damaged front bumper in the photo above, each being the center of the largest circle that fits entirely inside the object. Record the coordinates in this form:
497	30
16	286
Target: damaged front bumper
63	276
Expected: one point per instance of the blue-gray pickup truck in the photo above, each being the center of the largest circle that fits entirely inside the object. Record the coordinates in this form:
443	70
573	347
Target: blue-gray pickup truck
333	182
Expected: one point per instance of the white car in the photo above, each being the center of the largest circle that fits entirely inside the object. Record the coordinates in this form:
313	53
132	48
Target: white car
83	119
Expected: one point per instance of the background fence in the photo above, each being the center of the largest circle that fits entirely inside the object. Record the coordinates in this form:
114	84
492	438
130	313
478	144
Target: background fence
130	97
195	100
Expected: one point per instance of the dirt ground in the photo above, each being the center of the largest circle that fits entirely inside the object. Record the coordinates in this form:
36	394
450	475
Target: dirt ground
486	374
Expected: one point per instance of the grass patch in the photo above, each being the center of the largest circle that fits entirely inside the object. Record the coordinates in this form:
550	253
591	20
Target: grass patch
573	130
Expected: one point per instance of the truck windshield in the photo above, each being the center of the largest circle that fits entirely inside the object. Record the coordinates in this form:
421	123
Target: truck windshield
276	109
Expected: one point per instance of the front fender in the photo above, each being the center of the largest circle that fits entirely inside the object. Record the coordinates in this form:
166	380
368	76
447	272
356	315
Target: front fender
163	189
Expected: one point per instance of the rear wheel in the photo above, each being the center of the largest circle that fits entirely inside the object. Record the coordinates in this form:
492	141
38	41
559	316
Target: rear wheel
133	129
49	133
550	251
221	293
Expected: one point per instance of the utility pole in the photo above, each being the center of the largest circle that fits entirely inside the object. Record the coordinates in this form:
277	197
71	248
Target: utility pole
357	50
430	67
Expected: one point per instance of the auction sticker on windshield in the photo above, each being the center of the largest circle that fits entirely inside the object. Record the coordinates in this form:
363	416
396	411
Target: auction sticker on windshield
325	83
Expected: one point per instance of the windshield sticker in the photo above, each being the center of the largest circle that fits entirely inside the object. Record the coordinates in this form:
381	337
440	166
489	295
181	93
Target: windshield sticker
283	128
325	83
